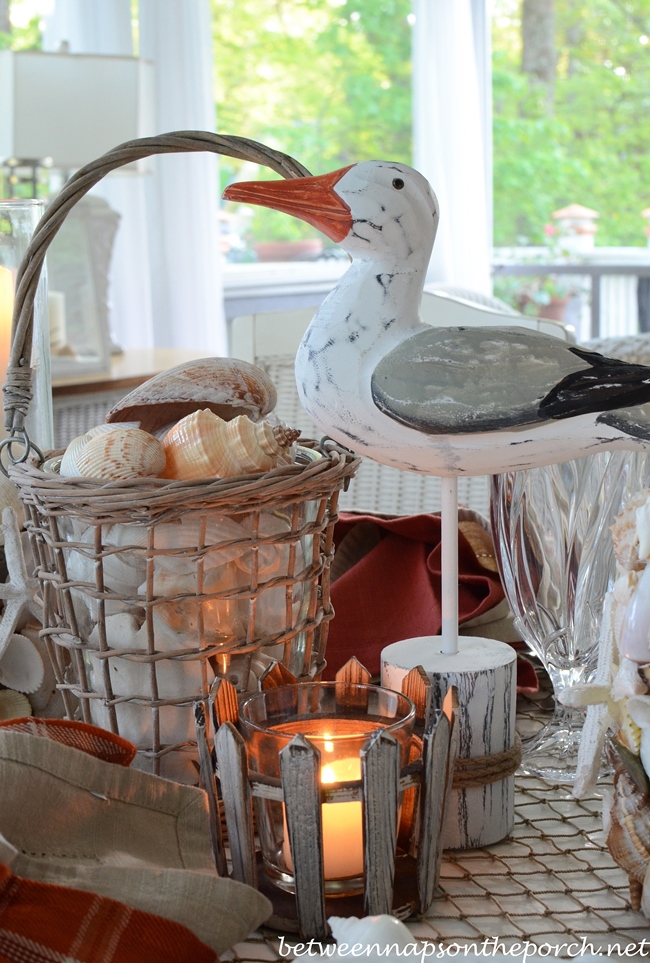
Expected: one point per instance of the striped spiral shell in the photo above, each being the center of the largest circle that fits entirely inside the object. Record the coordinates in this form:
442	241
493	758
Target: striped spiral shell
203	445
628	839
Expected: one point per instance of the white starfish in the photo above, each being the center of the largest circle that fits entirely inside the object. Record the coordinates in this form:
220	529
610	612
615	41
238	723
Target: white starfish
20	593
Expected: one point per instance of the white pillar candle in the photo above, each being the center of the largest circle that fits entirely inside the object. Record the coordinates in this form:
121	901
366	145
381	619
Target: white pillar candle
56	310
342	821
6	311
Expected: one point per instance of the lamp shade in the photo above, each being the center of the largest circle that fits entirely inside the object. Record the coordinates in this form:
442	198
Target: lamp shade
72	107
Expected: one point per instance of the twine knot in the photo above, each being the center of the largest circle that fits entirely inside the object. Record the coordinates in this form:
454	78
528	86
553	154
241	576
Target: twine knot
18	393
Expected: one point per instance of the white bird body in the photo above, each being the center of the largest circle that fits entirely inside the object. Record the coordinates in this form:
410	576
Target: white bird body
439	401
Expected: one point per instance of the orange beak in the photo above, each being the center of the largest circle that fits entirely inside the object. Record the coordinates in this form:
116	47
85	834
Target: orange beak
312	199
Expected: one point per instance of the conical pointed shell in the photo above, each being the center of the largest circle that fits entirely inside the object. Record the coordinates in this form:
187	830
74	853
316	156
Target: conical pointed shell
202	445
21	665
121	454
628	839
226	386
14	705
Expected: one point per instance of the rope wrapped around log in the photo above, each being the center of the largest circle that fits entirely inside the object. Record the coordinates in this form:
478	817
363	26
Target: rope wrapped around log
482	770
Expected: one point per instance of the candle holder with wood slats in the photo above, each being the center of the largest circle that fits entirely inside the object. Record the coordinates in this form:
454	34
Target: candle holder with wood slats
361	836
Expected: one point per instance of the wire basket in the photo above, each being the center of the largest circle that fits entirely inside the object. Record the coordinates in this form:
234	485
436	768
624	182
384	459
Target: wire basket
154	588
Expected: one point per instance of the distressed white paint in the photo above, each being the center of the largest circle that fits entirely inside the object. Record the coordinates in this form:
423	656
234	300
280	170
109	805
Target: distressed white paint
375	308
484	673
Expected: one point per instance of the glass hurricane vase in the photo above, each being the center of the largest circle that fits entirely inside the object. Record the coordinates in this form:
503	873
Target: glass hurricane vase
556	560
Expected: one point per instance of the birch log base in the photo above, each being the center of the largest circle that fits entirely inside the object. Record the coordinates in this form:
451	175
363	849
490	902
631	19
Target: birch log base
484	672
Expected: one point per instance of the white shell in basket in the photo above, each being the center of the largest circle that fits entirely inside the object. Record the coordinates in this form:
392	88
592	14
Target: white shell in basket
227	386
68	465
202	445
13	705
121	454
21	665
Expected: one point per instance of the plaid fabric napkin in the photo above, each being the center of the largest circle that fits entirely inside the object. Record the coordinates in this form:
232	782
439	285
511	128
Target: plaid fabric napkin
42	923
101	863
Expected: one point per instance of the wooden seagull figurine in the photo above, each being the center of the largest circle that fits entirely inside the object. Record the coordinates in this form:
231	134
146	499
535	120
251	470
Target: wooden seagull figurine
441	401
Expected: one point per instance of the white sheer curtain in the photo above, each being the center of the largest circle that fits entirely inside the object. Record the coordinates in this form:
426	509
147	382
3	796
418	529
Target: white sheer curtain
451	133
165	279
182	197
104	27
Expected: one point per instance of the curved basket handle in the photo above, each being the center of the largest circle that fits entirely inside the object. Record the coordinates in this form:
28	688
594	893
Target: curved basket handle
18	386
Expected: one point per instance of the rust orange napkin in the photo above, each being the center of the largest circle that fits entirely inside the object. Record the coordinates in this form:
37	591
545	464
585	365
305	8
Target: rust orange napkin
387	586
42	923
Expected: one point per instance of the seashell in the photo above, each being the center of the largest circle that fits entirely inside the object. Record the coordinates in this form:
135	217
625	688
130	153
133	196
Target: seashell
42	696
104	427
177	680
121	454
9	498
629	733
14	705
625	537
633	639
21	665
638	708
68	466
226	386
628	839
628	681
377	939
202	445
643	529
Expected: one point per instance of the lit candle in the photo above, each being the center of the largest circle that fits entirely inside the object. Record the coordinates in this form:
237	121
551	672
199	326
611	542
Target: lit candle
342	821
6	311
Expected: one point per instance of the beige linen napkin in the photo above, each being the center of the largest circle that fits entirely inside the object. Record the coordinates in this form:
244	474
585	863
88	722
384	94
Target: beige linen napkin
75	820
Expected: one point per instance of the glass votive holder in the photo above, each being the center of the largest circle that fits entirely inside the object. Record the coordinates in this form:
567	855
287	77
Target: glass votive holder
338	719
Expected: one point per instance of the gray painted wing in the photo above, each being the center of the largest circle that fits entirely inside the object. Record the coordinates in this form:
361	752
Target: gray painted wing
462	380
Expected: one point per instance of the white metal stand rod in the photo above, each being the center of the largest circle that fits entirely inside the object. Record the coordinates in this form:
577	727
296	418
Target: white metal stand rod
449	536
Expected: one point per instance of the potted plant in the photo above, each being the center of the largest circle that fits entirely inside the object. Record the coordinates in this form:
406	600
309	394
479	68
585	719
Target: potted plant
546	296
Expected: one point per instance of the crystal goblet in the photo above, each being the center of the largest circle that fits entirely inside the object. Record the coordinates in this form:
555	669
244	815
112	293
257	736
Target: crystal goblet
556	560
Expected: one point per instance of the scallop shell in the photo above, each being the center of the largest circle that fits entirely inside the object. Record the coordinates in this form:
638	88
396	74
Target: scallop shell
202	445
226	386
628	839
121	454
21	665
68	466
14	705
9	498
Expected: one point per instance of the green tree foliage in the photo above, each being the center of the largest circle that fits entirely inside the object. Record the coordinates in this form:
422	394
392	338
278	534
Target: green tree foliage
327	81
591	145
23	38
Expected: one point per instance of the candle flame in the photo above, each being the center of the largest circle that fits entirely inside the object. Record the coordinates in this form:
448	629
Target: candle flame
327	774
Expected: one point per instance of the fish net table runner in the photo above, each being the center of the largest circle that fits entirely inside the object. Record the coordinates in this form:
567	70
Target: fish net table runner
552	882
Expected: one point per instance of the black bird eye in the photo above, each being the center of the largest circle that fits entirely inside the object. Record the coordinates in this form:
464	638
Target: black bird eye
398	183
